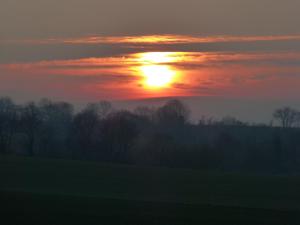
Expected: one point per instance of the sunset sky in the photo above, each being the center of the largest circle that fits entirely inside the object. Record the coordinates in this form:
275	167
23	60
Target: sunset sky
245	53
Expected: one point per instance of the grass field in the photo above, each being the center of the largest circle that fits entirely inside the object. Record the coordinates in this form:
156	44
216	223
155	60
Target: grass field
44	191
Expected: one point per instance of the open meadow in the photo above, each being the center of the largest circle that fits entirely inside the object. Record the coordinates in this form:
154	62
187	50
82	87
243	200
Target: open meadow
50	191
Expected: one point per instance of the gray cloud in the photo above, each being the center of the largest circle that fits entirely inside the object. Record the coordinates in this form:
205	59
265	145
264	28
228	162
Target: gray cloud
48	18
30	52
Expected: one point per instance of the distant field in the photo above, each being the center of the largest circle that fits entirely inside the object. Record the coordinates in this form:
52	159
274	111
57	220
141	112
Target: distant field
44	191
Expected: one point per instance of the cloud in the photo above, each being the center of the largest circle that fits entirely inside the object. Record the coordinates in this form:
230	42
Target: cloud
198	73
152	39
113	46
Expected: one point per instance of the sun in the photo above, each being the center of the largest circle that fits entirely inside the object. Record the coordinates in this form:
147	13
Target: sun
158	76
156	69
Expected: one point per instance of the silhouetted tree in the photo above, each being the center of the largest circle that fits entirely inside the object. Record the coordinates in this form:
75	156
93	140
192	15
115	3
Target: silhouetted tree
154	149
162	136
57	121
31	120
102	109
277	156
145	112
231	121
173	113
229	149
297	120
85	127
206	121
286	116
8	123
118	132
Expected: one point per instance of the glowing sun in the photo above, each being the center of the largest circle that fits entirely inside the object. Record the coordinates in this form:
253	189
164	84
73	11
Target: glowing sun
154	70
157	76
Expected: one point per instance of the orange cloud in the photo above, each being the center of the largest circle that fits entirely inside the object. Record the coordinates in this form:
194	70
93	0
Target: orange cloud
167	39
197	73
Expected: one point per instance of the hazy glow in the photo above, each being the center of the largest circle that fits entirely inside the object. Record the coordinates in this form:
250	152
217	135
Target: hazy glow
156	57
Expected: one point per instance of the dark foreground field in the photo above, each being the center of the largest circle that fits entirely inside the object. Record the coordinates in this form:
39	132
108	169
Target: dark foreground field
41	191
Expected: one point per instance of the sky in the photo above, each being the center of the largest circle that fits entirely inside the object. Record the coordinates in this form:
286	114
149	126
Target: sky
238	57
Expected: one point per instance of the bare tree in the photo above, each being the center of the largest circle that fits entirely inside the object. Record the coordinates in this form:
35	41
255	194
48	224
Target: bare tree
31	119
206	121
118	132
86	125
286	116
145	112
297	123
8	121
102	109
173	113
57	121
231	121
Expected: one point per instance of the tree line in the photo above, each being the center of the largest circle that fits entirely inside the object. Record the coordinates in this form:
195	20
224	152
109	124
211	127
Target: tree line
162	136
